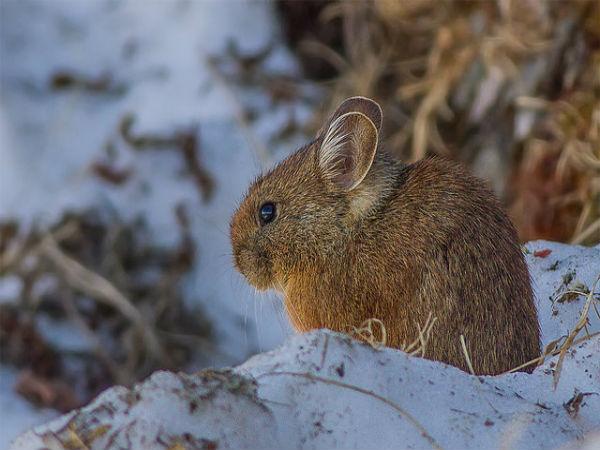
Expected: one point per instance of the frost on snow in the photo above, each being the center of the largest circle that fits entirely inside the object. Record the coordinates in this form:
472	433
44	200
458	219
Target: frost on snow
325	390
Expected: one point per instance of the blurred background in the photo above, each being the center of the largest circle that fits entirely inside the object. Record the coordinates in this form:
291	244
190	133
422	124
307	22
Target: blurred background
129	131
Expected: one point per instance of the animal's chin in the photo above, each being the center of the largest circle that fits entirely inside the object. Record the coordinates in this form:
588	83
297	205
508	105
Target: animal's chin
260	282
257	271
261	285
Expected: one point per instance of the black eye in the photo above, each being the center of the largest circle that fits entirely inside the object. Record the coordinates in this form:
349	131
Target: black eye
266	213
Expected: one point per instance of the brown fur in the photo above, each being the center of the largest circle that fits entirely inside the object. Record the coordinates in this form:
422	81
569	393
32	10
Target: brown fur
407	241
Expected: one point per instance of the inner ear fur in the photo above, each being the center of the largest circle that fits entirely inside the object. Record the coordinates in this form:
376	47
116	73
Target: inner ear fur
364	105
348	149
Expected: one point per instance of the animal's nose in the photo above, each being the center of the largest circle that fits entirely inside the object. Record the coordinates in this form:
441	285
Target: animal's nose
240	257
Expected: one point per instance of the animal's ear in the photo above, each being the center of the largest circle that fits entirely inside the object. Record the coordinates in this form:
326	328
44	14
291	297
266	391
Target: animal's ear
348	149
364	105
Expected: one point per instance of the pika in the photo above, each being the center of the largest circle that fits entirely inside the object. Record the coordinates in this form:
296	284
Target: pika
347	233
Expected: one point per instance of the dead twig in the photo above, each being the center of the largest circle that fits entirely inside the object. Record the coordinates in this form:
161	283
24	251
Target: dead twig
552	350
581	323
101	290
186	141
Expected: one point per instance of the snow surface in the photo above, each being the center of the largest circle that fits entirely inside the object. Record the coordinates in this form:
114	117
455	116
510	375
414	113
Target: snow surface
49	139
157	51
325	390
580	265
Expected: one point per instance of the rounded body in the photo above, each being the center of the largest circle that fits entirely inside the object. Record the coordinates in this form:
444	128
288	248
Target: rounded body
347	234
440	244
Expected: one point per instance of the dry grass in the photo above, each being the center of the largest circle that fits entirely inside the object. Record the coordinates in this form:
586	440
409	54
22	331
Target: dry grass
555	347
418	347
580	325
102	290
121	293
367	334
373	332
510	88
463	345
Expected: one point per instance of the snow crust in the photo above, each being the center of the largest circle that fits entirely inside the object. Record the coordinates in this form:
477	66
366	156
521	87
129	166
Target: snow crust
325	390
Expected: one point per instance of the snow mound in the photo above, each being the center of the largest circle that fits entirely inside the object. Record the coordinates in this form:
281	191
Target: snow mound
565	268
325	390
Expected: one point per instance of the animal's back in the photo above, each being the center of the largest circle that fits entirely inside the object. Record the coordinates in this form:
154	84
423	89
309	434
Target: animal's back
456	255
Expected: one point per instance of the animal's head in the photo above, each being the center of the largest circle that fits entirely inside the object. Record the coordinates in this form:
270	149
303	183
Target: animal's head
302	209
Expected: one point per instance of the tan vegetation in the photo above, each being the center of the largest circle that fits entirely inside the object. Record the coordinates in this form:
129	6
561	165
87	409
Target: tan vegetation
512	88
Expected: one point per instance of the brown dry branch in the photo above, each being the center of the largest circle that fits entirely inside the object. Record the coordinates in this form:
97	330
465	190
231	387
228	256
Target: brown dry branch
101	290
250	70
186	142
75	316
12	249
110	174
23	346
558	185
548	352
102	84
315	378
573	405
118	253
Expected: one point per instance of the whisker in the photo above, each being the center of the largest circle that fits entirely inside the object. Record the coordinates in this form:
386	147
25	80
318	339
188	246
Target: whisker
256	321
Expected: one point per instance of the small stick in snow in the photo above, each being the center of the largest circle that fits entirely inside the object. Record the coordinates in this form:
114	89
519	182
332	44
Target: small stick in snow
403	412
581	323
185	141
550	351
